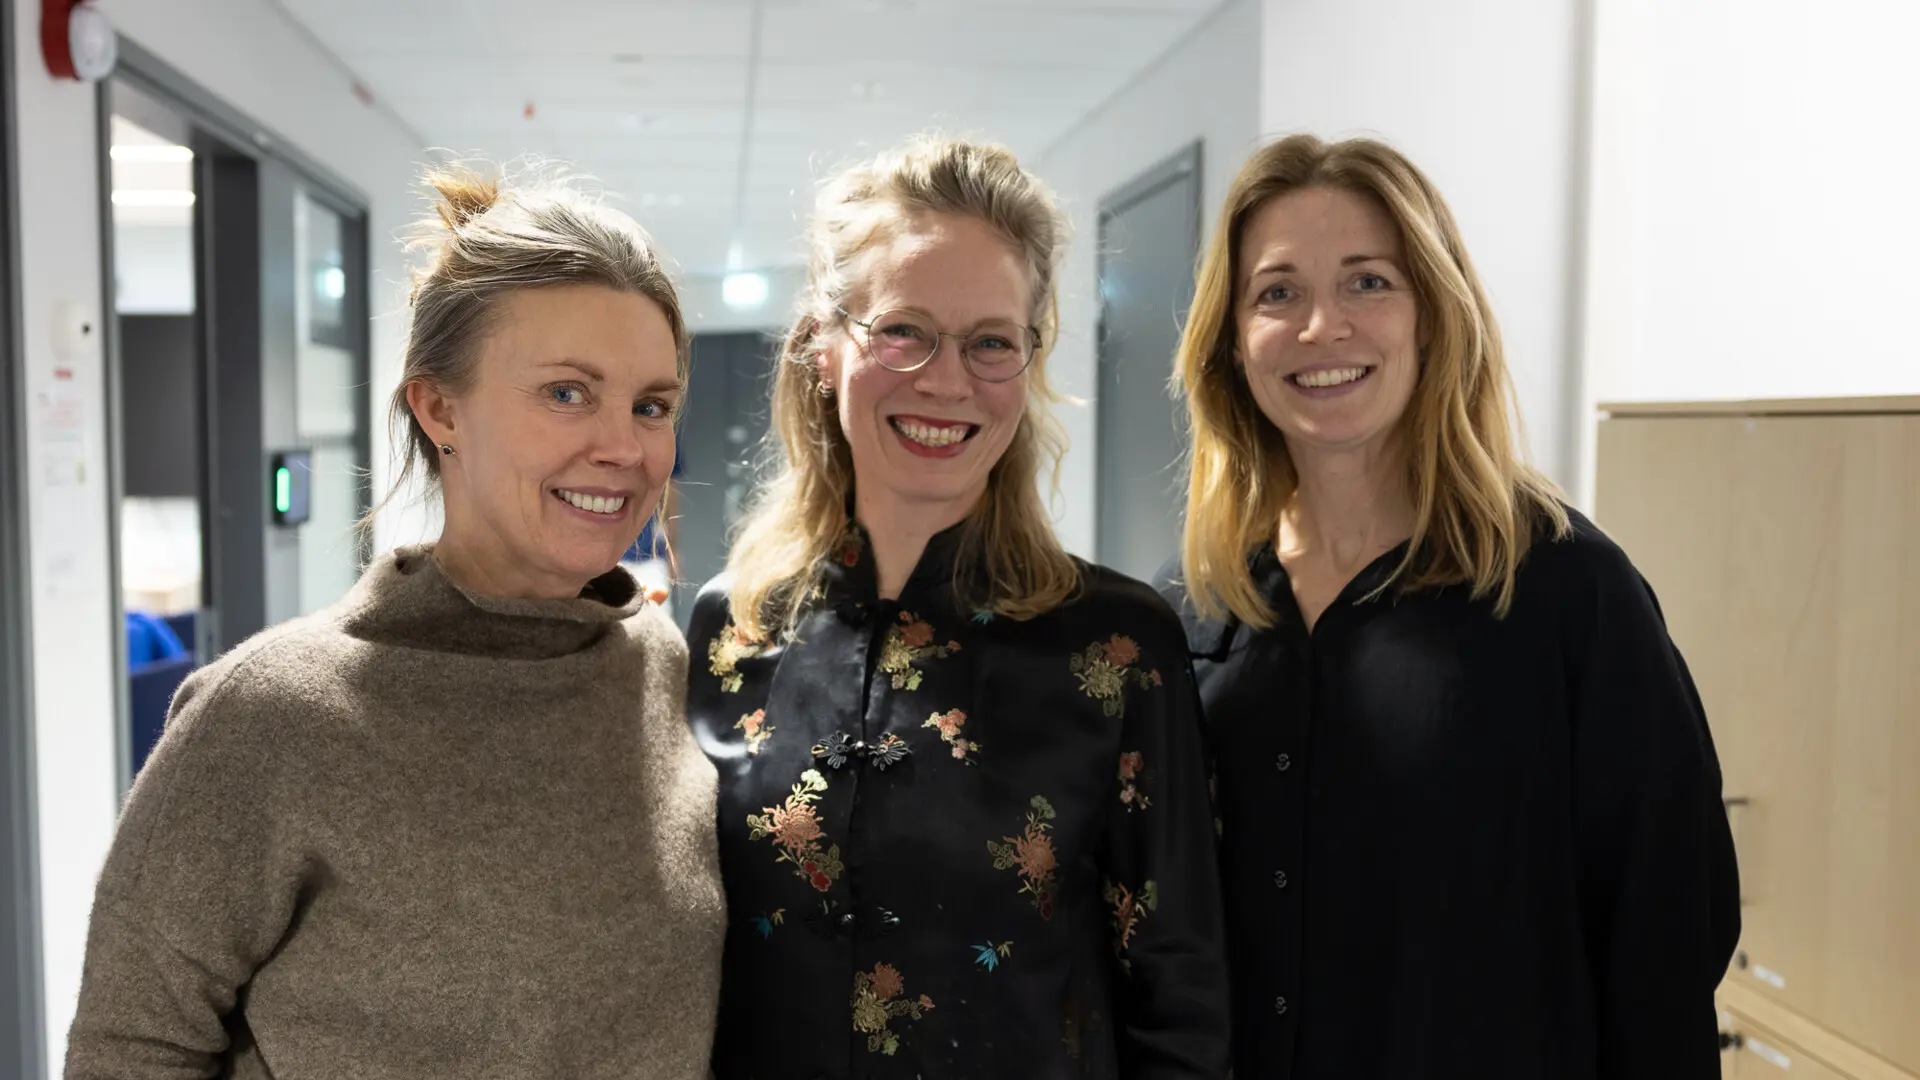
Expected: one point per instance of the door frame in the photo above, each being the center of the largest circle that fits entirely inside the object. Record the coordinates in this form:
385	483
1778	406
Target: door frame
22	1014
1175	167
217	128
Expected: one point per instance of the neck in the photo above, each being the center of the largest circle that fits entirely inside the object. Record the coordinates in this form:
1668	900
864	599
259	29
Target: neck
475	559
898	532
1349	506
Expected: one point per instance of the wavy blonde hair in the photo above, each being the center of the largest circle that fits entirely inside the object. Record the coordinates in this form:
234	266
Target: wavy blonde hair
800	514
1478	506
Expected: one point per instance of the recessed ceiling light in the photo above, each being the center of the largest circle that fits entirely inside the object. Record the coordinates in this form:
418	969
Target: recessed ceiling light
743	292
150	152
139	197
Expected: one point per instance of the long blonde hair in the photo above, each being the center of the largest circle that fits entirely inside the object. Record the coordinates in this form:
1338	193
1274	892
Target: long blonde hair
801	512
1478	506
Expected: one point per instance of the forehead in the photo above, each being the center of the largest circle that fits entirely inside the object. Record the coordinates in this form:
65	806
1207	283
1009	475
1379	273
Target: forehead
623	334
950	266
1320	223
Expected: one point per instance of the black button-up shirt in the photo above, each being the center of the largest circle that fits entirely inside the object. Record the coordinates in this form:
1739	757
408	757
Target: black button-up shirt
960	845
1461	846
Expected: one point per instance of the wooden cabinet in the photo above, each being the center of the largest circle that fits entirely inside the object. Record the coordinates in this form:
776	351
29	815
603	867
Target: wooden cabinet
1783	540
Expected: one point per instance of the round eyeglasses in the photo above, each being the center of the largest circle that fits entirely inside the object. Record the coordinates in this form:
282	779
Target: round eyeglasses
993	351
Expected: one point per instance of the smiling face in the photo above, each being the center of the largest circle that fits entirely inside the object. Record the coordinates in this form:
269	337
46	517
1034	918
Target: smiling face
926	441
1327	322
564	441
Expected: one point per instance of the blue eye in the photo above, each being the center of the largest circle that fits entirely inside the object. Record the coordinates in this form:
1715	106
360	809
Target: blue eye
1371	283
1277	294
992	344
653	409
567	394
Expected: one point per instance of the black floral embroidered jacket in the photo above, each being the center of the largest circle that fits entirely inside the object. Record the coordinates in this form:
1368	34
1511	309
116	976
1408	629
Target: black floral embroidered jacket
960	845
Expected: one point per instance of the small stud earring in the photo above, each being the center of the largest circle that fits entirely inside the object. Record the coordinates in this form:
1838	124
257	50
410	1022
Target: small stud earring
446	449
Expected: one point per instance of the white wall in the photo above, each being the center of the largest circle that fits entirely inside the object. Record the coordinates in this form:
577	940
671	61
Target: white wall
246	52
72	636
1206	87
153	269
1753	214
1488	98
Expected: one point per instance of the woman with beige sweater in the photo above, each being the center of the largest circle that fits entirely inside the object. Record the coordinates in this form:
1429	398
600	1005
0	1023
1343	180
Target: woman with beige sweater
454	826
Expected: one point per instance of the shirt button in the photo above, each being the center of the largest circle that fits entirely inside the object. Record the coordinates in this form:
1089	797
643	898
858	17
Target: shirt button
1280	1006
1279	879
1283	762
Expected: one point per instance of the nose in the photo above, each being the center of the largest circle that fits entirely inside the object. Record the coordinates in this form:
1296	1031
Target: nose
945	374
1326	322
616	440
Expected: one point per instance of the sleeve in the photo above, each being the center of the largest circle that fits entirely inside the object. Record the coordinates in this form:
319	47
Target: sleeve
199	888
1161	878
707	665
1659	887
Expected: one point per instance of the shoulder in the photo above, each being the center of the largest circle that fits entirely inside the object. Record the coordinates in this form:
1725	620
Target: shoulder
1581	562
712	611
1588	583
655	633
280	681
1110	602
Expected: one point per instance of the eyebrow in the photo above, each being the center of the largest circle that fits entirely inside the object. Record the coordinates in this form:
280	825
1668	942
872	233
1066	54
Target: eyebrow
658	386
927	315
1289	268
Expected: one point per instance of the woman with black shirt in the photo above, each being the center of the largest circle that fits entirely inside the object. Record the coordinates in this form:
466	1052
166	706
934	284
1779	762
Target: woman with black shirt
1470	810
963	812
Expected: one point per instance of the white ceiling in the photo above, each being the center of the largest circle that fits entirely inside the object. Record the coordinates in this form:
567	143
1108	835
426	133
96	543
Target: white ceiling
712	132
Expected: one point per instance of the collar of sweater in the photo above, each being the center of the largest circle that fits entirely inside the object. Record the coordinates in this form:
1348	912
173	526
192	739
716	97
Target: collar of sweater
406	599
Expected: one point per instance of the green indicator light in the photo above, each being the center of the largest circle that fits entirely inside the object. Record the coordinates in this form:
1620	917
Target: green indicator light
283	489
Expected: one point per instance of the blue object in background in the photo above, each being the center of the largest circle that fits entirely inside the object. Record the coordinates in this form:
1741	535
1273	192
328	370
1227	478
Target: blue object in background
158	661
650	545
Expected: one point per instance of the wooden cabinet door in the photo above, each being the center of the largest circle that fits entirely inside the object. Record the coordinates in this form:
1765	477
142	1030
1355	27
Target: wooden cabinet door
1758	1054
1786	554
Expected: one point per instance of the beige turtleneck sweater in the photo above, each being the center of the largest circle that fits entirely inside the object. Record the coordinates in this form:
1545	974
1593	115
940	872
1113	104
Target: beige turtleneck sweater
420	835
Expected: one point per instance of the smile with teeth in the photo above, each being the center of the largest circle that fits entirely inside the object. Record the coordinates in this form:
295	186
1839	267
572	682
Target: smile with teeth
1328	377
594	504
932	435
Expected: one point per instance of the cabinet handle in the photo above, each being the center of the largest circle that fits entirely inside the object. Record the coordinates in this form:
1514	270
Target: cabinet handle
1731	1041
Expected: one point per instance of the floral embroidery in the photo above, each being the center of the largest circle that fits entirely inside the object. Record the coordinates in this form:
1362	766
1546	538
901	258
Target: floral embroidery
982	617
950	724
1133	773
877	1002
1106	667
1129	911
764	924
989	955
1031	853
757	729
906	644
795	829
725	653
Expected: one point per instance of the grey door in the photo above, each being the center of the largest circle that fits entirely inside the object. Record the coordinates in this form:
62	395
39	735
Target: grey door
726	417
1149	234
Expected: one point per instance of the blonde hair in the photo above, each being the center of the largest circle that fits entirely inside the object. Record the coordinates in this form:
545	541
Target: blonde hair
1478	506
801	512
489	237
